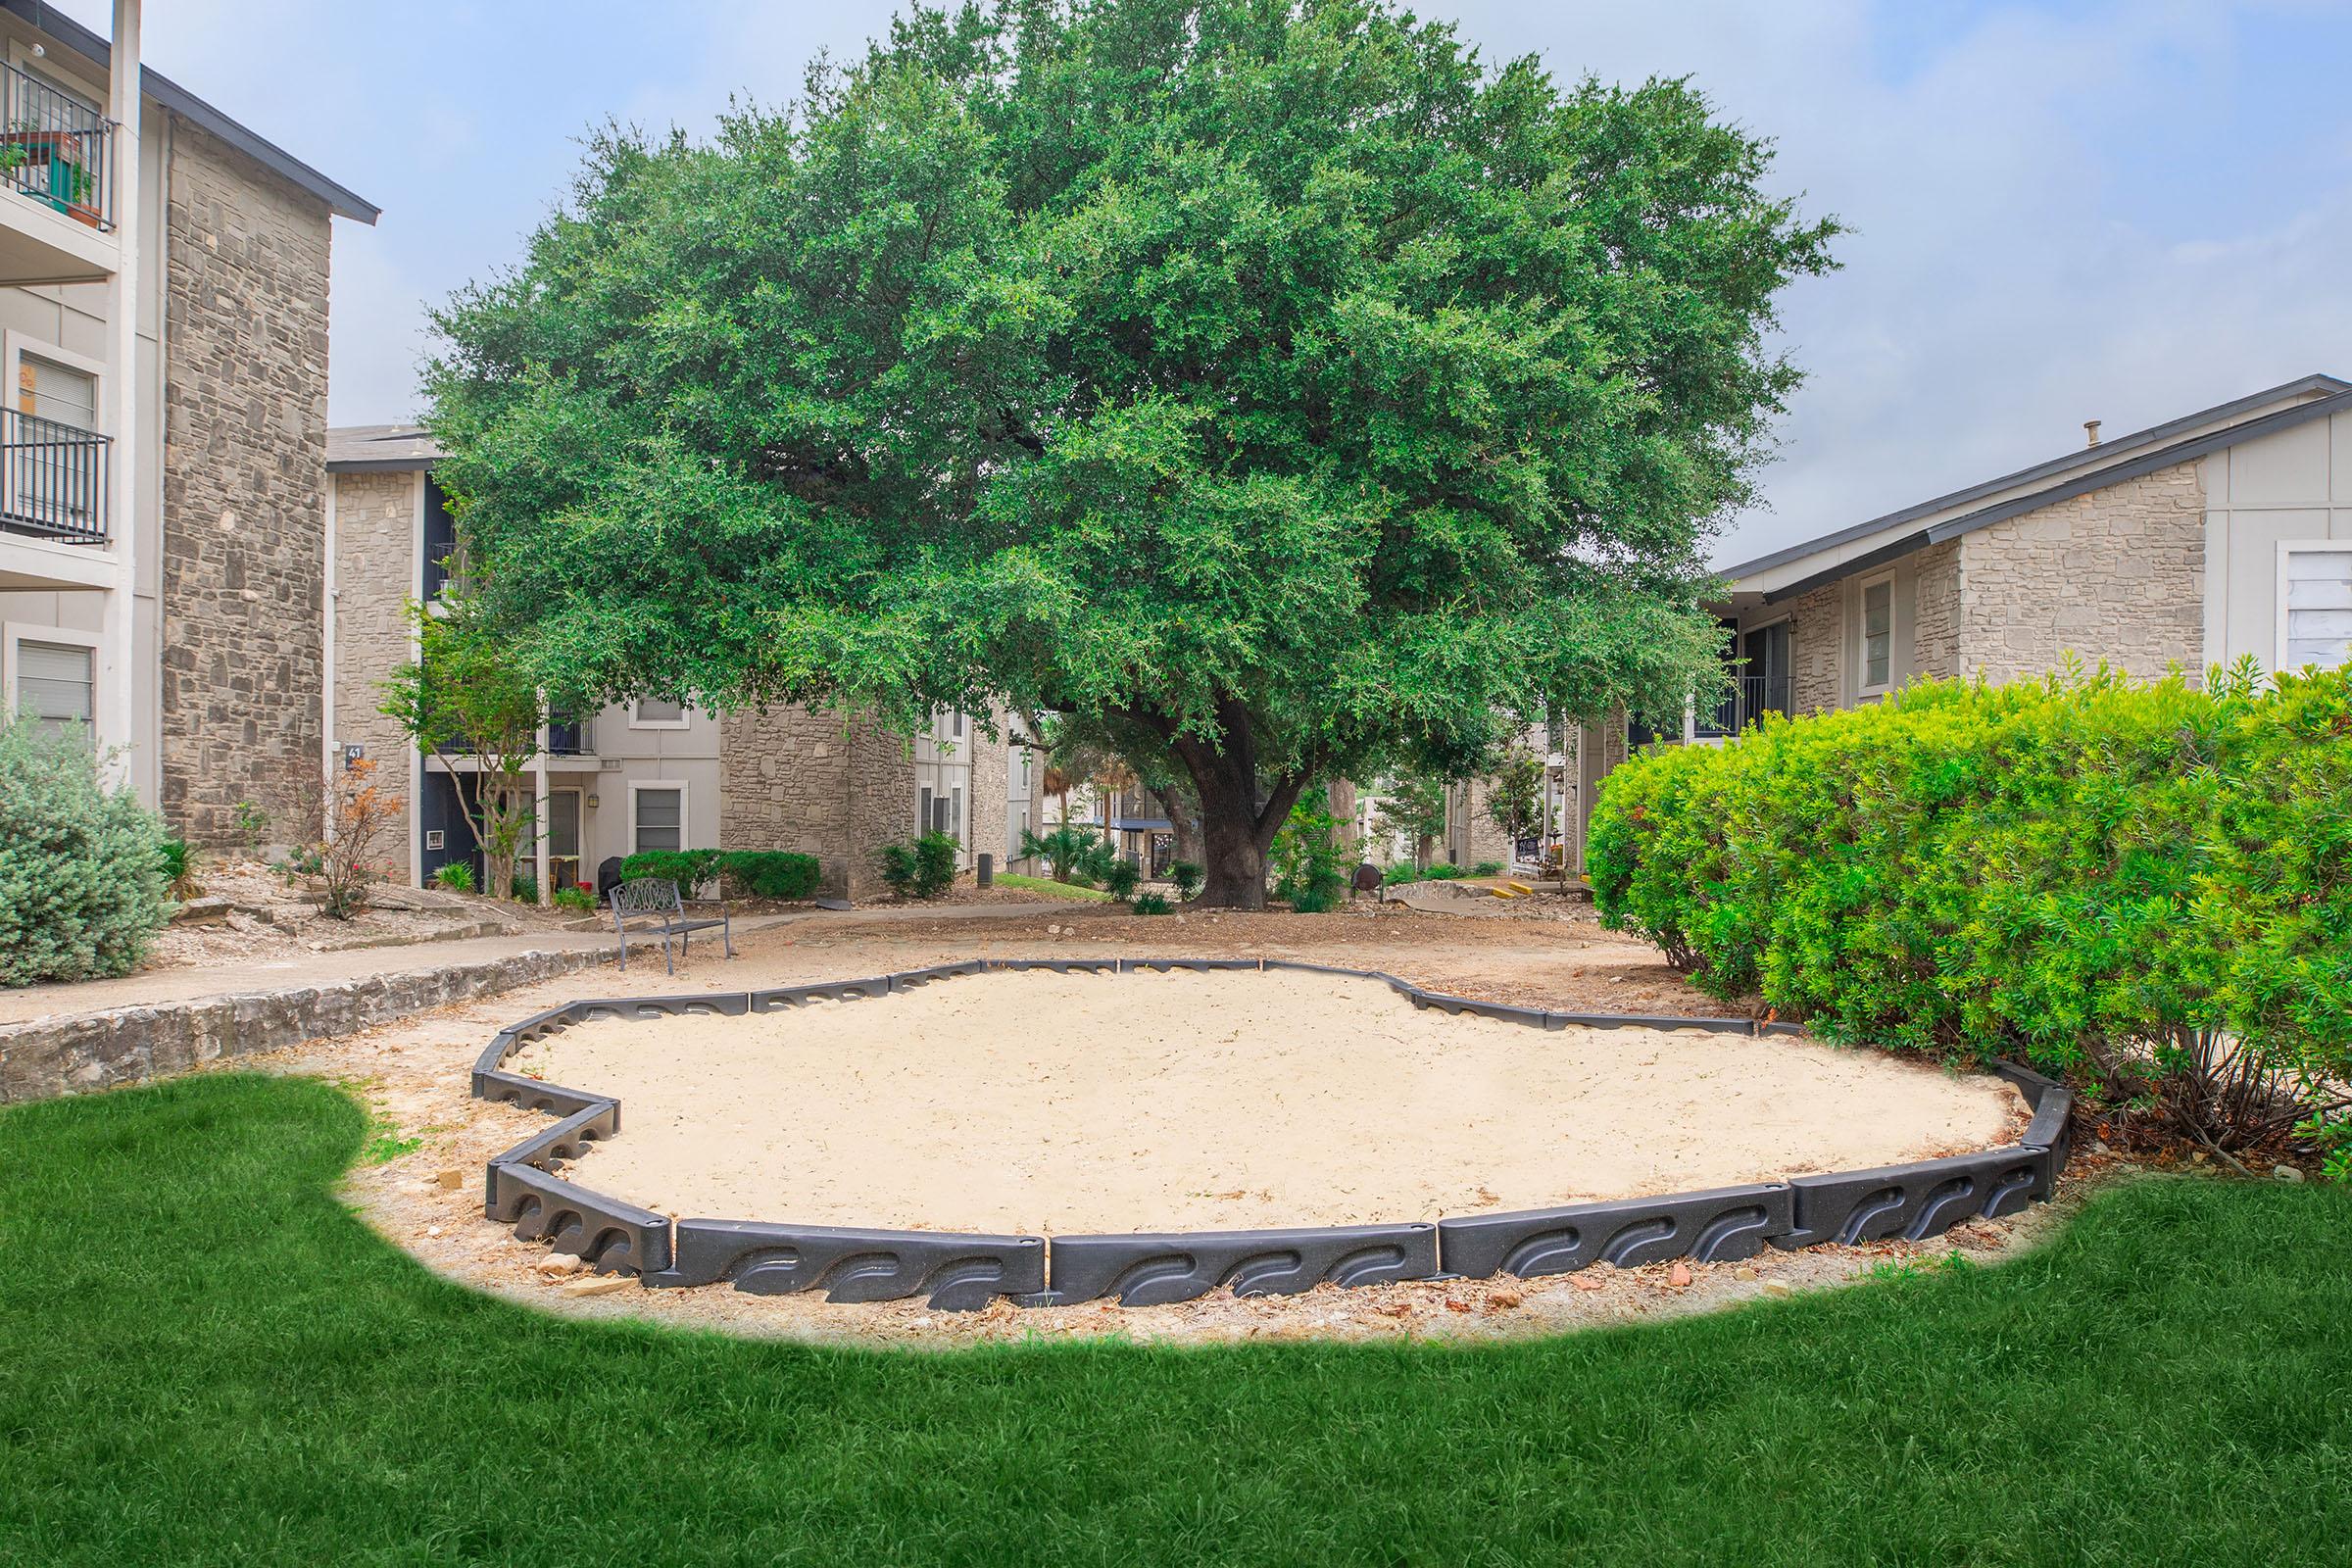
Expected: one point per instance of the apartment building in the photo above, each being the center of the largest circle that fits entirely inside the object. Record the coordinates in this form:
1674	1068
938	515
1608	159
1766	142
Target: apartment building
162	345
635	775
2223	534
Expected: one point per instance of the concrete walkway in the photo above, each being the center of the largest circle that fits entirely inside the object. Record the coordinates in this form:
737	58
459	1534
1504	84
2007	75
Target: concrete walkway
194	983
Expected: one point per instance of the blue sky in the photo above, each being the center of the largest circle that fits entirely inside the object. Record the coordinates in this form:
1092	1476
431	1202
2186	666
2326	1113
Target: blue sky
2063	211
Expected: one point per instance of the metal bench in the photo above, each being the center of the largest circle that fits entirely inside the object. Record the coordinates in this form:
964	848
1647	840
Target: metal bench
655	898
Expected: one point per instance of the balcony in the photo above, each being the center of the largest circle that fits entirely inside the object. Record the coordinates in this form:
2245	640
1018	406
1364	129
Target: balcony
571	742
1751	698
56	163
52	479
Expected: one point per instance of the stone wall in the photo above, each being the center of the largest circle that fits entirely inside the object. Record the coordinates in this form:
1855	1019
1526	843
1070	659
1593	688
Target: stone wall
2117	574
244	488
1816	644
793	778
375	548
881	801
990	765
1935	633
69	1055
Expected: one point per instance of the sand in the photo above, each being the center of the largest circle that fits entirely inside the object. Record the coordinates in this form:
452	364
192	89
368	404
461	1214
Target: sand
1067	1104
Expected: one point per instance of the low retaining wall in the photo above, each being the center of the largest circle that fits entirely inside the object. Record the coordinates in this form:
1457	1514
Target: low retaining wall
52	1057
963	1273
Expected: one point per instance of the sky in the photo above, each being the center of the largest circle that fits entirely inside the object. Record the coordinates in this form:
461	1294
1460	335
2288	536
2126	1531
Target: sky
2060	212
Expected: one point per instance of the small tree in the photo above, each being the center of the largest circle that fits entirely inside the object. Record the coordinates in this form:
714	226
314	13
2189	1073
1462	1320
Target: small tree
1415	808
464	698
353	814
1515	794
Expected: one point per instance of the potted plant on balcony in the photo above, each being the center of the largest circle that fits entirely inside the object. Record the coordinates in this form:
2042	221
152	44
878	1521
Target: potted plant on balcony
70	185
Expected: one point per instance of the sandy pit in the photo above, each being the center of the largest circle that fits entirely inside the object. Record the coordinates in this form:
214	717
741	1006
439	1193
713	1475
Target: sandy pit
1036	1101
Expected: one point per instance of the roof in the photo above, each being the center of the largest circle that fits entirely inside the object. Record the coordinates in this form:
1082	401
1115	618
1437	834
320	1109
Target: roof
2112	462
339	199
381	449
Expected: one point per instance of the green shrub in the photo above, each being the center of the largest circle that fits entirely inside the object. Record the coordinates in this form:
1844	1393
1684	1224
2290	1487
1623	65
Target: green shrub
178	864
1401	873
1189	878
81	864
522	888
1120	878
457	876
1442	871
771	873
574	897
1487	868
1072	853
2120	882
1306	856
921	868
688	868
1149	904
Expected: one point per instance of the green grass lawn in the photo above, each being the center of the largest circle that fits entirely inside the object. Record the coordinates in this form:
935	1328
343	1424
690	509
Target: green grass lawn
1051	888
204	1357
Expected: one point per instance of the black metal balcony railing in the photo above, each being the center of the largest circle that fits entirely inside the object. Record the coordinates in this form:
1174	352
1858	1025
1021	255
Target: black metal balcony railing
56	149
52	479
1751	698
571	737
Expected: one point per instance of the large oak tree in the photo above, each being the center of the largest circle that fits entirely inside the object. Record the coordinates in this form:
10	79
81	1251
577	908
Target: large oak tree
1271	383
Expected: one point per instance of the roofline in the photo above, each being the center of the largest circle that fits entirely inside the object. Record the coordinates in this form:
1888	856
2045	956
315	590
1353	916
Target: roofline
340	199
382	465
2104	451
2180	452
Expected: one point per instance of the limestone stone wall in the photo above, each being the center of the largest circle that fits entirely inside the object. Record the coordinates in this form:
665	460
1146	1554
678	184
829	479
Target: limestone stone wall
244	475
375	548
2117	574
881	769
990	766
1936	627
793	778
1816	640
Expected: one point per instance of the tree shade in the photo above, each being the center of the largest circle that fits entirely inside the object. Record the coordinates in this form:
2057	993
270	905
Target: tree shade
1274	385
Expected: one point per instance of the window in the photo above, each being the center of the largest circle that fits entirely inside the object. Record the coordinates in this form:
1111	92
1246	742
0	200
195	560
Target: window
49	390
651	712
1877	636
656	816
956	815
2315	605
57	686
52	470
922	811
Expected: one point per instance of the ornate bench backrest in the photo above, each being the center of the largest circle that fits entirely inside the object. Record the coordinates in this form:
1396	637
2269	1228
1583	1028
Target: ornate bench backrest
647	895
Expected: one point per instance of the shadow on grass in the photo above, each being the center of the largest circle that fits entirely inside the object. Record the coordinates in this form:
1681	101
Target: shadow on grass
205	1357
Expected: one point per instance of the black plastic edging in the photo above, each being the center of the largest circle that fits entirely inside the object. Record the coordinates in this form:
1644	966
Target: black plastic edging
960	1272
1722	1225
1147	1270
957	1272
614	1237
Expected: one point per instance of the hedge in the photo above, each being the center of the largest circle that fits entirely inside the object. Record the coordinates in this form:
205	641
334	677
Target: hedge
753	873
2114	880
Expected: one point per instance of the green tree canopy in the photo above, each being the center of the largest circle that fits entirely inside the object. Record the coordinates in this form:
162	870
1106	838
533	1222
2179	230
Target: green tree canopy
1270	381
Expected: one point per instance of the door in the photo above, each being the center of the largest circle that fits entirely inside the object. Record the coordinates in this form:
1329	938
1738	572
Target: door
562	838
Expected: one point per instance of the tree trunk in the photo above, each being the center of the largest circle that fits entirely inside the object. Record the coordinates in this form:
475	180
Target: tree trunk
1233	852
1183	821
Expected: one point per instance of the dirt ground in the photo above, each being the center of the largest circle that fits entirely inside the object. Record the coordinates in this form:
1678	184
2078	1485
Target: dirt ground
419	1182
266	918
